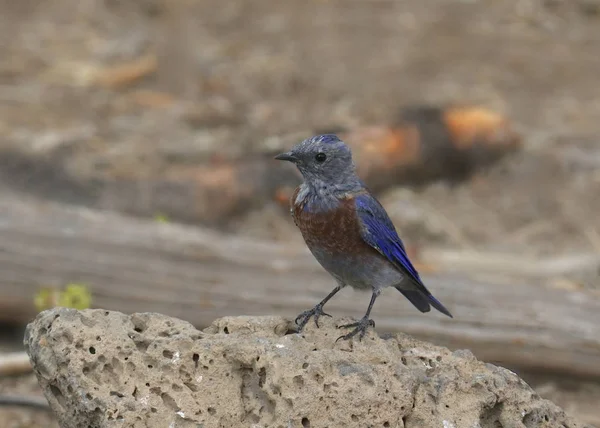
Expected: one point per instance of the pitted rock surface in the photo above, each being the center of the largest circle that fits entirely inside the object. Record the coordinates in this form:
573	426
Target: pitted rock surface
105	369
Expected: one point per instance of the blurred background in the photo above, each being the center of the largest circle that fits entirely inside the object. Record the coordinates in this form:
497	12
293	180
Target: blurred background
136	171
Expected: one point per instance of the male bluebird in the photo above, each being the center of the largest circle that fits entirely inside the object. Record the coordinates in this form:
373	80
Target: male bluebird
348	231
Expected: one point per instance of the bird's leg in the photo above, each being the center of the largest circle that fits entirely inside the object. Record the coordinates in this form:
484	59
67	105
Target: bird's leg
361	326
316	312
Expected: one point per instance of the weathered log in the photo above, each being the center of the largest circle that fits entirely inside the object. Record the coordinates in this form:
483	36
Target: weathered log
426	144
13	363
134	265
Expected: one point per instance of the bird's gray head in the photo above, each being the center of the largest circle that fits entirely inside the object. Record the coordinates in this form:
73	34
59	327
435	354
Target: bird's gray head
324	161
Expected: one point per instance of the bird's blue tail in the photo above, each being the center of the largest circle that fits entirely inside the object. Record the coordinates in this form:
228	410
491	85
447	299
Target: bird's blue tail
438	305
422	302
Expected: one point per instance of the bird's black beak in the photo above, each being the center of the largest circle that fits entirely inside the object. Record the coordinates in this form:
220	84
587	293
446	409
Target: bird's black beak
287	157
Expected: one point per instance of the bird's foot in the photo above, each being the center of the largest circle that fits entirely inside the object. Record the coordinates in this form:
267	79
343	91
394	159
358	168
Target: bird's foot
304	317
360	328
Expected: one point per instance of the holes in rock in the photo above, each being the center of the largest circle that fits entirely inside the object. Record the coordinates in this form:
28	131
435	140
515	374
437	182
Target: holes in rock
386	424
532	420
253	390
354	418
490	416
298	381
212	411
117	365
438	358
134	393
211	361
85	370
403	359
150	366
176	387
305	366
192	387
168	354
60	398
305	422
262	375
141	345
98	338
318	378
290	331
153	409
225	330
169	402
92	350
254	418
88	396
108	368
69	389
139	325
101	359
196	357
116	394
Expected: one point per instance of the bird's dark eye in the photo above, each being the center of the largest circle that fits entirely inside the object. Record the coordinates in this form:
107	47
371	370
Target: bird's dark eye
320	157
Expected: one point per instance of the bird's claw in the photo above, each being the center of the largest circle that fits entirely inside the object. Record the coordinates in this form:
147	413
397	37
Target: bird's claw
304	317
360	328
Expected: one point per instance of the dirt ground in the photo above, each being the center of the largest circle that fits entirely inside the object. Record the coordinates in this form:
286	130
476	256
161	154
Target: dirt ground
127	87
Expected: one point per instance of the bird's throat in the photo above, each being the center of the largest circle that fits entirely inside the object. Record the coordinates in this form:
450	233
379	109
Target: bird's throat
318	197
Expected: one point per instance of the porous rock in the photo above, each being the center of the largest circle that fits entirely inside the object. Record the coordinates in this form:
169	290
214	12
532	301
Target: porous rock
106	369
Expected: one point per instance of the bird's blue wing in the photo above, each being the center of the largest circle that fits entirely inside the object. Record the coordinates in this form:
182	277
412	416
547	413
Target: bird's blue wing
379	232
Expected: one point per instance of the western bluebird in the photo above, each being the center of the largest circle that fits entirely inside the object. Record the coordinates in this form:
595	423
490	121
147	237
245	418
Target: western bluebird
348	231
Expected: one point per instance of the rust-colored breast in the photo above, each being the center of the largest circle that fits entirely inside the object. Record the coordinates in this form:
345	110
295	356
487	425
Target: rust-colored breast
336	231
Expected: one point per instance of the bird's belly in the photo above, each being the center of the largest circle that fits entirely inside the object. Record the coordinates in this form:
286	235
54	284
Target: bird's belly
359	271
334	239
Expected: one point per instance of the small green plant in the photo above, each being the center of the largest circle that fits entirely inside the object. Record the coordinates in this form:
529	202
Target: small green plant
161	218
76	296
